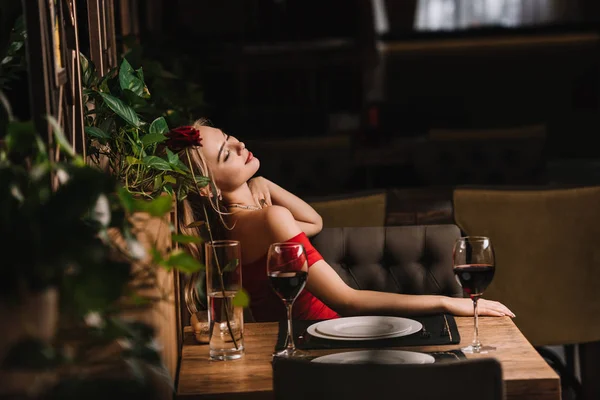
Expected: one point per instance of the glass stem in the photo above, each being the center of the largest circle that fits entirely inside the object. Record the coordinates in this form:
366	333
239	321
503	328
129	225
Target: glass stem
476	343
290	338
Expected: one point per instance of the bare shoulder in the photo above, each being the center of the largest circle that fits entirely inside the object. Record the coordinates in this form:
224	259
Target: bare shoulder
280	223
276	214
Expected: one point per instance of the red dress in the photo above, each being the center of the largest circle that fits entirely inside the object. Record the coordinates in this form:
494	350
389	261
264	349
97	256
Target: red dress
267	306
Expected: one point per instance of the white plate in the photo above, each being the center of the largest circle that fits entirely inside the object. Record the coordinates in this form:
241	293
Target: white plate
376	357
414	326
363	327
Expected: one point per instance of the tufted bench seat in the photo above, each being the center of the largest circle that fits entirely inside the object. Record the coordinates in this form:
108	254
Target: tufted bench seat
402	259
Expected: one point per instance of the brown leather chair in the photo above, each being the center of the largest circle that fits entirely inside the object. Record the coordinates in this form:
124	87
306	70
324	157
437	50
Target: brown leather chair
302	379
548	262
401	259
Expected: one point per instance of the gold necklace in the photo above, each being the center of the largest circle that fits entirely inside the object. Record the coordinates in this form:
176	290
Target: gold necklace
244	206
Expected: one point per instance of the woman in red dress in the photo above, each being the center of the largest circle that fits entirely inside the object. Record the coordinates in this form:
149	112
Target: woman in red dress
260	212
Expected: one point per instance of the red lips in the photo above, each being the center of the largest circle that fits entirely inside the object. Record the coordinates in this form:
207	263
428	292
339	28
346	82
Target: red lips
250	157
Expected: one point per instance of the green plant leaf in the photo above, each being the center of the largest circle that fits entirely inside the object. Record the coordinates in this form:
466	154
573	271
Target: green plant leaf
98	285
59	135
129	81
241	298
135	101
107	125
132	160
172	157
127	199
157	258
231	265
97	133
158	181
181	168
121	109
185	239
159	125
157	163
88	71
140	74
153	138
202	180
20	137
183	262
159	206
169	179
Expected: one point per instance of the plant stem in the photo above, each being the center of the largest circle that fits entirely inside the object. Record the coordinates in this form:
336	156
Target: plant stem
214	253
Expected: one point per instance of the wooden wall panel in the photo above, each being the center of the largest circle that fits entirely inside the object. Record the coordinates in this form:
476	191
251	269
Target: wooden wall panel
164	314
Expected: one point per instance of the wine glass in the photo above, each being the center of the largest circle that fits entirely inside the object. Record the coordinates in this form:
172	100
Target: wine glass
287	269
474	266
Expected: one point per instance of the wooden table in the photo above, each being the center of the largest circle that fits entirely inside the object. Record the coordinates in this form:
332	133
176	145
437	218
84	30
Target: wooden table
526	374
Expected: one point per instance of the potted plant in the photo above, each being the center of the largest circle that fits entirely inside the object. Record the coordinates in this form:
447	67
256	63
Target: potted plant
74	273
129	134
68	288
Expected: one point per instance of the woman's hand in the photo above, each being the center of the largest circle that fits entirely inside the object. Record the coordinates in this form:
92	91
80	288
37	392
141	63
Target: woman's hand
267	193
259	187
464	308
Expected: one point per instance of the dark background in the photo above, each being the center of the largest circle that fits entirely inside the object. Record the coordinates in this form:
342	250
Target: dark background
330	104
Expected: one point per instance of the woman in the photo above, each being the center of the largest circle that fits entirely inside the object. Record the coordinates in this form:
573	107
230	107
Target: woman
259	213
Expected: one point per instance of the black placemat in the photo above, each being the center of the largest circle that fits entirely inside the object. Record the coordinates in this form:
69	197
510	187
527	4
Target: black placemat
434	332
447	356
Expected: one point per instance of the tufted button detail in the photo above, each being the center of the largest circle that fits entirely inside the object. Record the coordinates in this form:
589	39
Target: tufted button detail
393	259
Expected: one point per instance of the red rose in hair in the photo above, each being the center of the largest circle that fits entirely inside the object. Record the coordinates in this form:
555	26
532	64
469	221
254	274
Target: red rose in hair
182	137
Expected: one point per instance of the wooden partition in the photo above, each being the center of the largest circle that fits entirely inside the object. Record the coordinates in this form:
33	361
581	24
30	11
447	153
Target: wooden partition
55	90
54	69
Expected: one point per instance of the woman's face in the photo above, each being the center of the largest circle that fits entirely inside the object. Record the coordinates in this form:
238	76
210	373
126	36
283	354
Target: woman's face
229	161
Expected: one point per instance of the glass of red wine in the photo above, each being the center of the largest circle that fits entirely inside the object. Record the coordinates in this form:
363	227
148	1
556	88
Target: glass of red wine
287	269
474	267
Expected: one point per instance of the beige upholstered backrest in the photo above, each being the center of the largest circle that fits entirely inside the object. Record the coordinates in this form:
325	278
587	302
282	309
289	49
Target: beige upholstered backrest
358	209
547	245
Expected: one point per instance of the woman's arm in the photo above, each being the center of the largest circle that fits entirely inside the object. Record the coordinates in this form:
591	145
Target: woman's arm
326	284
309	221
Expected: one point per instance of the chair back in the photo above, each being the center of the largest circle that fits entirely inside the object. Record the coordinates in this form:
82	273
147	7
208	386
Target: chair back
355	209
547	256
399	259
302	379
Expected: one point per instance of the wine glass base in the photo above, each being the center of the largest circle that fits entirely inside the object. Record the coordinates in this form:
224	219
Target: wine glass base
477	349
295	353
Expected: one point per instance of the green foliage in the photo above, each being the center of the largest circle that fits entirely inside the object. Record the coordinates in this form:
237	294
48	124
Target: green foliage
12	58
126	127
175	94
55	219
12	55
48	223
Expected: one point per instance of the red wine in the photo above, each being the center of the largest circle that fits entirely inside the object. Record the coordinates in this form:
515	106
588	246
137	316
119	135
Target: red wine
288	285
474	278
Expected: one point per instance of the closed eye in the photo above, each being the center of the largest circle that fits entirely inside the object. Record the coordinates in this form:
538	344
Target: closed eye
227	155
